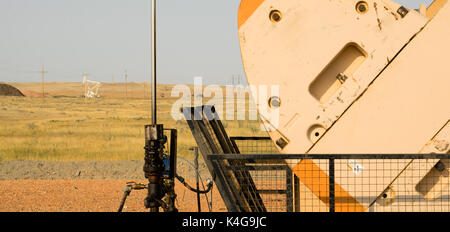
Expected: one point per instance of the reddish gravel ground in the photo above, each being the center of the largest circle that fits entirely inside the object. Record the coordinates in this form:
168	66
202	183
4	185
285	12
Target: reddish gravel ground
88	196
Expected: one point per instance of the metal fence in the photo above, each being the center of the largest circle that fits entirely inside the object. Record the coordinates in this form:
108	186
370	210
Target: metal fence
251	177
254	145
336	183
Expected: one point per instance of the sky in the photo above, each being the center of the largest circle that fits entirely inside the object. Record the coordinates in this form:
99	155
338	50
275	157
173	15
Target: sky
105	38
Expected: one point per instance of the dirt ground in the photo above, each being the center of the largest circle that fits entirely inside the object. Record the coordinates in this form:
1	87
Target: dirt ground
39	186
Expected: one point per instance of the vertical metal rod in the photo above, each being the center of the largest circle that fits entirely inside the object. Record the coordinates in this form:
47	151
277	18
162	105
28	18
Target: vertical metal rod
154	121
332	185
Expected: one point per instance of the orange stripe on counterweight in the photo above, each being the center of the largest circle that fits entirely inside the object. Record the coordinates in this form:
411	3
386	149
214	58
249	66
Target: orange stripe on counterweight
318	182
434	8
246	9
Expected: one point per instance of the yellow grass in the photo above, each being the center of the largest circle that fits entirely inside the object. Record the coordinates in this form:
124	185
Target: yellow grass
72	128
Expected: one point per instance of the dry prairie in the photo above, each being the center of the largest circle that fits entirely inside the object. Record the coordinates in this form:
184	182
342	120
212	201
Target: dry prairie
66	127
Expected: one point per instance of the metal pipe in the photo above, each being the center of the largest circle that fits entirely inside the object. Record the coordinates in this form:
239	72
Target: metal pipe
154	121
126	193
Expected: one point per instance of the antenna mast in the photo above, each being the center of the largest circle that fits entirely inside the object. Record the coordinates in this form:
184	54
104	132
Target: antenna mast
154	84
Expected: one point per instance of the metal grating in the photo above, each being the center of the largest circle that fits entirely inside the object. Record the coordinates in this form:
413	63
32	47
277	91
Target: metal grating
253	177
237	189
350	183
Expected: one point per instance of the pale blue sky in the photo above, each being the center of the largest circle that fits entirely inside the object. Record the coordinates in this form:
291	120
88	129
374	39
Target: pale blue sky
106	37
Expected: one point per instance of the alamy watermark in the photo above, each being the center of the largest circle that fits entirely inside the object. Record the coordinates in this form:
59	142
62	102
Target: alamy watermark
232	102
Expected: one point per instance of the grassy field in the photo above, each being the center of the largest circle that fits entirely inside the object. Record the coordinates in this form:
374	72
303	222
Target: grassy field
67	127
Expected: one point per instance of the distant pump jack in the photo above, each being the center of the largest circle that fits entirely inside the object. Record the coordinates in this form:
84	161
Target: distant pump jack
90	87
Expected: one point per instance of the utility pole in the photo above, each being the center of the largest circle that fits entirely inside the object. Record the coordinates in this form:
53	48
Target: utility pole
112	86
144	85
154	83
126	84
43	80
85	85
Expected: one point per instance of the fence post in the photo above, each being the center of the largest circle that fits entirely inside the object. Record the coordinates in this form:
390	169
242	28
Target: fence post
289	190
332	185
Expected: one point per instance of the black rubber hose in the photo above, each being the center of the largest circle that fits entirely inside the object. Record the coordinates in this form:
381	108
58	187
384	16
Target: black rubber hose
209	186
